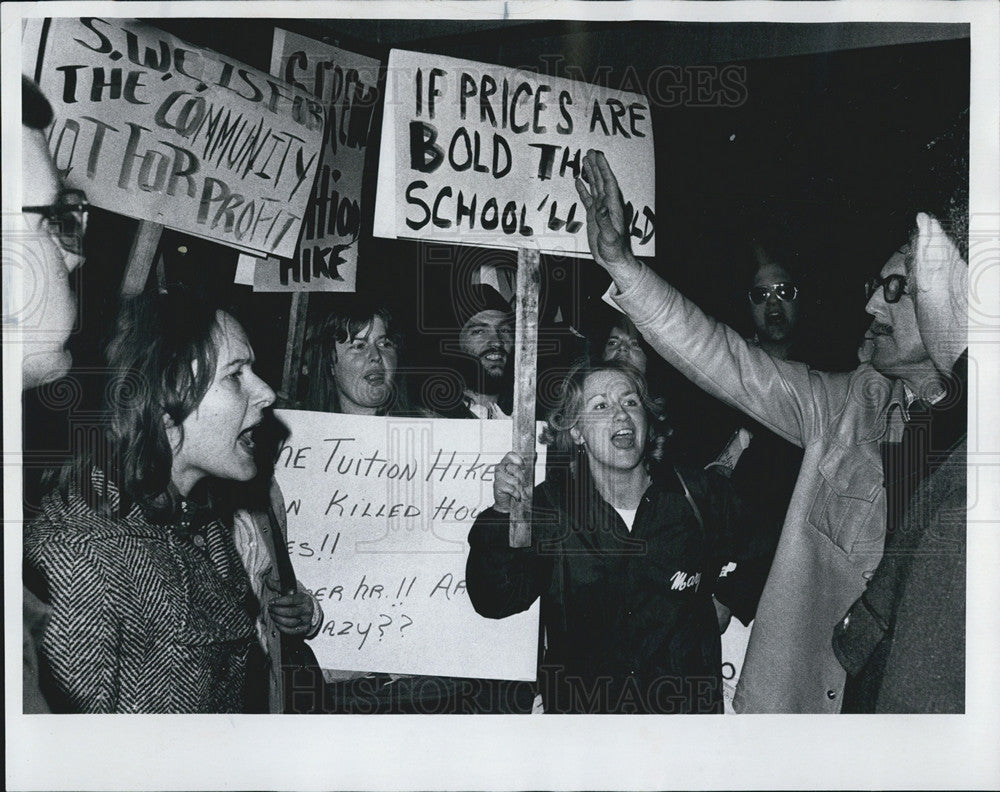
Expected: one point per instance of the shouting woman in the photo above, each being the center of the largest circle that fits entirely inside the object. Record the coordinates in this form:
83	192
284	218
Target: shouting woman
151	606
626	555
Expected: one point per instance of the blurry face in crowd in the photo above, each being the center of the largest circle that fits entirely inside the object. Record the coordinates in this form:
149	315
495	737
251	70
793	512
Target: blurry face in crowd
488	337
775	319
47	311
217	437
626	348
612	423
364	369
895	345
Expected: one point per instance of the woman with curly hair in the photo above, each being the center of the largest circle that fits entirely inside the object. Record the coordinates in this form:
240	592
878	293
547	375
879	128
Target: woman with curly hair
152	610
626	555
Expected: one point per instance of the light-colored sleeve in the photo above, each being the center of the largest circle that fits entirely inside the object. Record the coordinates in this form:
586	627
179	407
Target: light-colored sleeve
787	397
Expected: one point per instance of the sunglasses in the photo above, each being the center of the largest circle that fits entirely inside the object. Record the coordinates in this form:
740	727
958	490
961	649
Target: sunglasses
65	219
785	291
893	287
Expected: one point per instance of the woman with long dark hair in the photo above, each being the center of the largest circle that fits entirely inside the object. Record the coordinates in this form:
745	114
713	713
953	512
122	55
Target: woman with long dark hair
151	607
626	555
358	351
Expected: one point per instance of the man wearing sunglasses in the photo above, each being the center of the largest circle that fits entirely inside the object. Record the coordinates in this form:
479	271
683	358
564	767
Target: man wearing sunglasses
45	245
774	307
835	527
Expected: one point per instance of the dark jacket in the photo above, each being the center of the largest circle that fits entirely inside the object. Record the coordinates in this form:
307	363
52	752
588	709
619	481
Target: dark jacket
628	617
142	620
903	642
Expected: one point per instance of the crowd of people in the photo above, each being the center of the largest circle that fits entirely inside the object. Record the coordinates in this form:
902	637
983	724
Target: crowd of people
157	577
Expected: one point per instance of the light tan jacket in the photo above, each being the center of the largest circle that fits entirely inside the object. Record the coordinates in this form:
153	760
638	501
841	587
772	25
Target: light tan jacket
835	525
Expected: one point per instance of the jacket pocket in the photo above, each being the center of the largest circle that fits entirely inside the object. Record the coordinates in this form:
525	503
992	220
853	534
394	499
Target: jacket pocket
210	613
845	507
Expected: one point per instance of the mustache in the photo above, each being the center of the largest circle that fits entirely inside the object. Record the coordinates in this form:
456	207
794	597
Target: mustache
881	328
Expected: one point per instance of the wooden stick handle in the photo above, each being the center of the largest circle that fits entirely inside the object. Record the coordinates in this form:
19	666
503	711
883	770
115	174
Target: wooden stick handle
140	257
525	360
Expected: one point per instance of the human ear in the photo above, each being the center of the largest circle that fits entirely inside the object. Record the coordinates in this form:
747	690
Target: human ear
173	432
941	279
577	436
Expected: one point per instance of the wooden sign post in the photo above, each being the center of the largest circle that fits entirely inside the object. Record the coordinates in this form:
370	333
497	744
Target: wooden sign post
140	257
525	365
293	346
493	179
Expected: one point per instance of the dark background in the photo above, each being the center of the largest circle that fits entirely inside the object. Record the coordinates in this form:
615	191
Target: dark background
816	163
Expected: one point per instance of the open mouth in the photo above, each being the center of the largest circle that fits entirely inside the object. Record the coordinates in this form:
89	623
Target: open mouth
375	377
246	439
495	358
623	438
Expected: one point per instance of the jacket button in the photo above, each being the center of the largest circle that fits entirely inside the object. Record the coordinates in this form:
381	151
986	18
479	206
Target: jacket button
831	694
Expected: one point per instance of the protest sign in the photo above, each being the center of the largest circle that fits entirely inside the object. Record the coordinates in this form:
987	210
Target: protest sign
346	84
154	128
487	155
379	511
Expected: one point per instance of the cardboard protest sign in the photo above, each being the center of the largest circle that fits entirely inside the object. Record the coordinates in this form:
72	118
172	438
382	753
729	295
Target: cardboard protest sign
487	155
346	84
154	128
379	510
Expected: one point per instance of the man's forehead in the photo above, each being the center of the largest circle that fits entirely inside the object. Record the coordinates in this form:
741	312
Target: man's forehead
896	265
769	273
41	181
490	317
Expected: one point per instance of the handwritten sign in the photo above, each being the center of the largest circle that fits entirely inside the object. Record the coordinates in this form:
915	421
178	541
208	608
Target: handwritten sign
486	155
379	511
154	128
346	83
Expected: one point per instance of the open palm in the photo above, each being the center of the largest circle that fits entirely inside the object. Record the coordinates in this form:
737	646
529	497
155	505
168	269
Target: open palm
602	198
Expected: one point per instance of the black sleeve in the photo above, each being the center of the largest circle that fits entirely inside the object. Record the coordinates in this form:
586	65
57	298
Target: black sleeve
502	580
742	563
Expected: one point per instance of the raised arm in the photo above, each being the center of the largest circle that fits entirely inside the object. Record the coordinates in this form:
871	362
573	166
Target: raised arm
502	580
784	396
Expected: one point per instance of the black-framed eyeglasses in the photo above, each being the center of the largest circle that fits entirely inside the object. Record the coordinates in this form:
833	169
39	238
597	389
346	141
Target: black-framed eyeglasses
784	291
66	219
893	287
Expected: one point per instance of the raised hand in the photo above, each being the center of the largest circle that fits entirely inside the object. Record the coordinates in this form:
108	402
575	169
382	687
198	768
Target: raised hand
602	198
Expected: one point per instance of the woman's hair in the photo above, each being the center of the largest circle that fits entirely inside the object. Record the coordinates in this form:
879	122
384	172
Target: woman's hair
161	362
569	403
339	328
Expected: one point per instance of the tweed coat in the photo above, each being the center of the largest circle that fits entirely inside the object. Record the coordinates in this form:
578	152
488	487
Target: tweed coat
146	618
834	530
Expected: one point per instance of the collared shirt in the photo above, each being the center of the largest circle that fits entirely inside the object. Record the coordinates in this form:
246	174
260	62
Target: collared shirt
482	406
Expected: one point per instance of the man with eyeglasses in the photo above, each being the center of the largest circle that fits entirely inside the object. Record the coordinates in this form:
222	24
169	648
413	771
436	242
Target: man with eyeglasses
834	531
41	310
902	642
39	307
